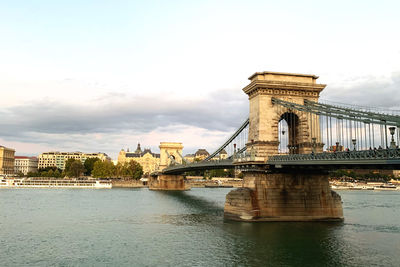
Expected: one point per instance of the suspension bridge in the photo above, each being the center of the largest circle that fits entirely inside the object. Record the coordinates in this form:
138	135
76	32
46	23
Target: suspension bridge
288	144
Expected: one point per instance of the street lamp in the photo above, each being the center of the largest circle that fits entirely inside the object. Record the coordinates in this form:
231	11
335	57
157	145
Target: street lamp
314	144
354	143
392	143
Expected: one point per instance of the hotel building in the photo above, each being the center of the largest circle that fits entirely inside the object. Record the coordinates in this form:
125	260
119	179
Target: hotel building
58	159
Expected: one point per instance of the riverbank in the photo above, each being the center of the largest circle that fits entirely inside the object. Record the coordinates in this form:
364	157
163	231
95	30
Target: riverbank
339	185
214	184
127	184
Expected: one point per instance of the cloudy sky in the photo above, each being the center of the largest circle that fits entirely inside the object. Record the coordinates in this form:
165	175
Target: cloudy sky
103	75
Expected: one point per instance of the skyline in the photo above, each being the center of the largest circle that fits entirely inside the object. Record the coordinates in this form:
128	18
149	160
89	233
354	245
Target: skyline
97	76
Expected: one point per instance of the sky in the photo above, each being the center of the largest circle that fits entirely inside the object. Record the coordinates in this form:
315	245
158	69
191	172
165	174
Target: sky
98	76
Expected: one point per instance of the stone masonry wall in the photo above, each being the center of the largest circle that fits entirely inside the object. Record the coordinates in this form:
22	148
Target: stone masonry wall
284	197
168	182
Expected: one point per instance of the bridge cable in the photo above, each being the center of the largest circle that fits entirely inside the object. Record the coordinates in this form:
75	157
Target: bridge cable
347	130
330	127
365	136
369	133
361	135
373	135
229	141
398	136
386	137
327	133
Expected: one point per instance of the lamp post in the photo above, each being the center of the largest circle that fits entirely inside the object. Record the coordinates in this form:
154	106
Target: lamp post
354	143
392	142
314	144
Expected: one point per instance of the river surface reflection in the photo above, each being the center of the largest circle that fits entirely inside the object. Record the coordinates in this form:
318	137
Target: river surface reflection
138	227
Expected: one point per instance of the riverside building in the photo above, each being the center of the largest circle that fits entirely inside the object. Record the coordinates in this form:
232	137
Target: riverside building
6	160
24	164
149	161
58	159
201	154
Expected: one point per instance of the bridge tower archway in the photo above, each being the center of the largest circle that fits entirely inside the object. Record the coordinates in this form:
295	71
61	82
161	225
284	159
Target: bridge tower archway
289	135
170	151
265	116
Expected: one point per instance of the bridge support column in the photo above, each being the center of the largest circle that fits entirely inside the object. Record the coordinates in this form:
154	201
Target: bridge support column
284	197
168	182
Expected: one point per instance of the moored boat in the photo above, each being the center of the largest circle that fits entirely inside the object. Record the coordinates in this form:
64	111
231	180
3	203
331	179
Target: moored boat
386	187
54	183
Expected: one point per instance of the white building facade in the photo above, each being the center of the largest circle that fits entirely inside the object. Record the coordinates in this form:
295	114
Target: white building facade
25	164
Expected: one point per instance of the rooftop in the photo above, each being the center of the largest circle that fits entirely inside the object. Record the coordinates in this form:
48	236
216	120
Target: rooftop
283	74
24	157
7	148
202	152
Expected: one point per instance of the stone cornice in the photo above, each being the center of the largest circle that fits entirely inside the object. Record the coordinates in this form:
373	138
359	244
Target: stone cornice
283	73
283	88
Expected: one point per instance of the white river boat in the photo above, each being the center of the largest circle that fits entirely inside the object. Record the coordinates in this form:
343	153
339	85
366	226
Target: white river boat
54	183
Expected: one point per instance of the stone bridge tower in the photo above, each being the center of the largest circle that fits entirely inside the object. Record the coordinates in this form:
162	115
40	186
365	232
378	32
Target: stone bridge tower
172	149
265	116
274	195
169	150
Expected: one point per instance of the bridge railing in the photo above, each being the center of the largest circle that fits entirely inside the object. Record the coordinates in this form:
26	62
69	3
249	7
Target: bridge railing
200	165
343	155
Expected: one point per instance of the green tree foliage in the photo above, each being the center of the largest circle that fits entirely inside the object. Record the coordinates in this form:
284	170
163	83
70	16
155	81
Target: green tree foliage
127	170
370	177
135	170
53	172
74	168
57	173
104	169
217	173
220	173
89	165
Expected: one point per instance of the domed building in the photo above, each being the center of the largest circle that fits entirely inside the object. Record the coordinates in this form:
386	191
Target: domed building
201	154
223	154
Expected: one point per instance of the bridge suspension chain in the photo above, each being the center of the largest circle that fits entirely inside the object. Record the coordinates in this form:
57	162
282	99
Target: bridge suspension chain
234	144
333	128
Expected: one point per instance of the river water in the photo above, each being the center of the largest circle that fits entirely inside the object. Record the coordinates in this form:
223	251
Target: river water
138	227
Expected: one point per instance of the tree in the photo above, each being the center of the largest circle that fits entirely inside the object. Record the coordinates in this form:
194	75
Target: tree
33	174
221	173
89	165
57	174
104	169
129	170
135	170
74	168
217	173
50	173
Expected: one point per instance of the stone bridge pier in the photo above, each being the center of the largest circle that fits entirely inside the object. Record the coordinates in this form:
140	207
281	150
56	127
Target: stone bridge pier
300	196
168	182
170	153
